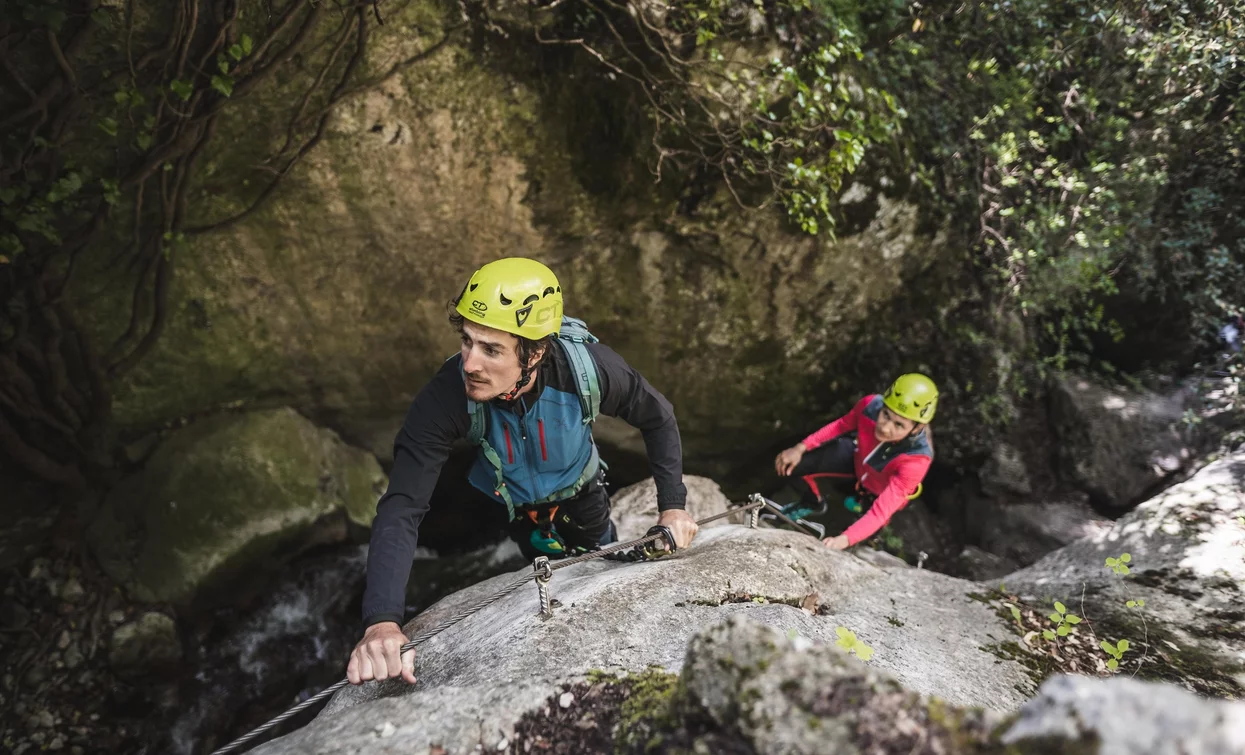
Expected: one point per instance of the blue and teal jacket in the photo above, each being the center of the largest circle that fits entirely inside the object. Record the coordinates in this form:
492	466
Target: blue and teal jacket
542	442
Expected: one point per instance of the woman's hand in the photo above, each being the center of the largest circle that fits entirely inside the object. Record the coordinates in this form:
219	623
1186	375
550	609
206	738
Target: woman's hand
786	461
838	542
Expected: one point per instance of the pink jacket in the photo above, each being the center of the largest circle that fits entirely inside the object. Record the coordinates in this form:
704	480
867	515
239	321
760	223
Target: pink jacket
891	471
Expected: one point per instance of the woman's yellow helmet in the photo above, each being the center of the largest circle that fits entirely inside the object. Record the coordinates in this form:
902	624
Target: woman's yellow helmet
913	396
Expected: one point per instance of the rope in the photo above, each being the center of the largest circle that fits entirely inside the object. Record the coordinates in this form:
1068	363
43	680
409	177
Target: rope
235	746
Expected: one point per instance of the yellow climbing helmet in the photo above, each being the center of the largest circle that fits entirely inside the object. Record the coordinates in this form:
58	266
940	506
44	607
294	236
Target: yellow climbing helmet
517	295
912	396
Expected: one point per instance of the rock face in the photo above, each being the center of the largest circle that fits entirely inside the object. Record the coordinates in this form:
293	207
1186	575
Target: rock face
227	493
332	296
1116	444
1186	550
478	677
758	607
746	687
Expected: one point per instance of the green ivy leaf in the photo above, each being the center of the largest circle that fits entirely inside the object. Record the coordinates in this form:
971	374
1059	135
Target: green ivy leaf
1072	618
143	141
149	122
1049	635
1107	646
235	52
112	191
1113	664
1063	630
64	188
122	97
863	651
108	126
222	63
246	44
223	84
1015	613
1122	647
182	89
1055	618
1060	607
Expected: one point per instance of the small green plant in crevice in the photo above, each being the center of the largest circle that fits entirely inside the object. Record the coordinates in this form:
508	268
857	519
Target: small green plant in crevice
1119	565
853	644
1116	652
1063	621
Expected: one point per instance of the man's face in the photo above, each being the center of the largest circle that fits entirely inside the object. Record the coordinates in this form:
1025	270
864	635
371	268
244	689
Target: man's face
490	361
892	428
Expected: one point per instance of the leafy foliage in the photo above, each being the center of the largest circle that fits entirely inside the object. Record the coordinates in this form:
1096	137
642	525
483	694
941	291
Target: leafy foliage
105	112
1087	155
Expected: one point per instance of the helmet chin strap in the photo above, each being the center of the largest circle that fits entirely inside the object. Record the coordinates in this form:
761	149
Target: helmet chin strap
523	380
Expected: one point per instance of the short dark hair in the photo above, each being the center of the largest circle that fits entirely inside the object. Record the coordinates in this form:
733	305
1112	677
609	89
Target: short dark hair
527	347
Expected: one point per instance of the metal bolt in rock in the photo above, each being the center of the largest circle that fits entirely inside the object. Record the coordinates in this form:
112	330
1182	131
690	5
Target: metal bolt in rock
543	573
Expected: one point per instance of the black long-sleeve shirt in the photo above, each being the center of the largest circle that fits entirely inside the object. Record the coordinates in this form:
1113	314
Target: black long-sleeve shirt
438	417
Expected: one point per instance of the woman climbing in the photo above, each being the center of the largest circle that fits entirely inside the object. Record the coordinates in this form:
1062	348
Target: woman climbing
883	444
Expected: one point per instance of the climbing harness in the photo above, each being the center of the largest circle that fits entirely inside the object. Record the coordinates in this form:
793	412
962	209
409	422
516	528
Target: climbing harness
544	538
542	573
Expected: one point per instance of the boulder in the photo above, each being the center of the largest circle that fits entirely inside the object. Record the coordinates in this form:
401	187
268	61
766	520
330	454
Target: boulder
1123	716
981	565
1005	472
478	677
634	508
226	495
1116	444
786	697
1022	533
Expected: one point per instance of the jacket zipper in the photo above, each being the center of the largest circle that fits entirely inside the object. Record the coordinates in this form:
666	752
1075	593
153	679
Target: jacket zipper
544	453
865	463
509	449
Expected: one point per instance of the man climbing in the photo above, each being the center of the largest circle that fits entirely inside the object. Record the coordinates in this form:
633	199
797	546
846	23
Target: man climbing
883	444
525	387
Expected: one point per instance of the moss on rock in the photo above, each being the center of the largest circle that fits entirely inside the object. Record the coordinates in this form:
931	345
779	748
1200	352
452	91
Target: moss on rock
228	494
